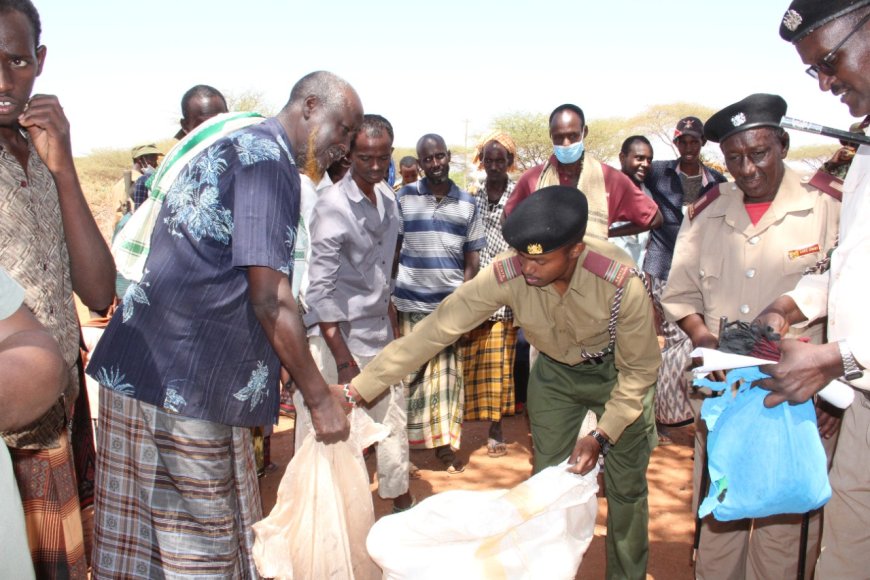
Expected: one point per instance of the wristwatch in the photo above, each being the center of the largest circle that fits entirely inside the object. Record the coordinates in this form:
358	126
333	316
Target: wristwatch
602	441
851	370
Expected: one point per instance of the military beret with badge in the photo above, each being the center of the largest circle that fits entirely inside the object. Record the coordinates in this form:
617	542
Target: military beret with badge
547	220
758	110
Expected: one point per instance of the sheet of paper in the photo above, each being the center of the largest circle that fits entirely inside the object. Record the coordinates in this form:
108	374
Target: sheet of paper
715	360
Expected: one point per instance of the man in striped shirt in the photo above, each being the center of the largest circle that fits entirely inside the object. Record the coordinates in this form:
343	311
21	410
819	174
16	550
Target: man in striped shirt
442	238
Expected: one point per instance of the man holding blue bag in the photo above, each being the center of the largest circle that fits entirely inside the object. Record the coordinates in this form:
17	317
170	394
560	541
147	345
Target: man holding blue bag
743	244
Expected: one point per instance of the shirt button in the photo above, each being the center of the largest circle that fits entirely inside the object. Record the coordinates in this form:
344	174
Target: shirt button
753	240
750	273
44	267
744	309
23	183
702	273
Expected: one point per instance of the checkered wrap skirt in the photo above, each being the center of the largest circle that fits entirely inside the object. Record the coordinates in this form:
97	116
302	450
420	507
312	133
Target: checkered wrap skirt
176	497
435	395
47	483
488	369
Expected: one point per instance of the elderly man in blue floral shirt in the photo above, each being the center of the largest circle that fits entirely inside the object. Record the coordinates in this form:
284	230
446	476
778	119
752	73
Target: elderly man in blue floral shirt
193	355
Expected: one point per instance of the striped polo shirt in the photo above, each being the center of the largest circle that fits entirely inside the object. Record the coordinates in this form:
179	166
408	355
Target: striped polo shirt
436	236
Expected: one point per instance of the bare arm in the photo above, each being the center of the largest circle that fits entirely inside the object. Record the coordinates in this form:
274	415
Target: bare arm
347	367
472	264
629	229
91	263
34	372
273	304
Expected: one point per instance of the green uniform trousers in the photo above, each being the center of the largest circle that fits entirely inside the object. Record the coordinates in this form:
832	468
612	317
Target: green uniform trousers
558	398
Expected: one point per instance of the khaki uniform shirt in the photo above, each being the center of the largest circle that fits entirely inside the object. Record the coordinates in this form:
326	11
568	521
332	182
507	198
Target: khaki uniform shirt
33	251
557	325
725	266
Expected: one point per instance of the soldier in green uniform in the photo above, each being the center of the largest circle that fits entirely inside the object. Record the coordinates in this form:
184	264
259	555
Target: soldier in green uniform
586	310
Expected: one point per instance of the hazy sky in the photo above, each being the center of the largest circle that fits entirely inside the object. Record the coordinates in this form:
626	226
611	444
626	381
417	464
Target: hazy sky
120	67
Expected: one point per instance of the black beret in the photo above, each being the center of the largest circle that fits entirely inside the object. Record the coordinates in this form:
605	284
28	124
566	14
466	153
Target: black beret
804	16
758	110
547	220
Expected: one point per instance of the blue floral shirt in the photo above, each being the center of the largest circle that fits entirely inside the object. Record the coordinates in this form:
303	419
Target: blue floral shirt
185	338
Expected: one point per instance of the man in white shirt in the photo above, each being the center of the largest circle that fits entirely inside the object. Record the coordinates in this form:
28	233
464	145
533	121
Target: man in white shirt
832	37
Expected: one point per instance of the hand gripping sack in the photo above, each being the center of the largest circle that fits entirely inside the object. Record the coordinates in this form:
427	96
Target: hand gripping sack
539	529
324	511
761	461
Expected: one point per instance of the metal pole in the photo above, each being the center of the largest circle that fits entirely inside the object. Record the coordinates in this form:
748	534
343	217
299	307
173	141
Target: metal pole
705	475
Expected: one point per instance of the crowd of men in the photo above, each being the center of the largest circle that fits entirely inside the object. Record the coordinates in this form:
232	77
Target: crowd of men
280	260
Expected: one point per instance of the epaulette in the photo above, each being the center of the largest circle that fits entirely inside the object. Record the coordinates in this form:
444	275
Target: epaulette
693	209
603	267
826	183
507	269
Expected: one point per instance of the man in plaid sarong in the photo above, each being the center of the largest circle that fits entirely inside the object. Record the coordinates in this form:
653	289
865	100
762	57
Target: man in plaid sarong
191	358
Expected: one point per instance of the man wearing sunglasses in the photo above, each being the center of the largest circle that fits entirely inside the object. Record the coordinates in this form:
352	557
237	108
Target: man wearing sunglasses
833	38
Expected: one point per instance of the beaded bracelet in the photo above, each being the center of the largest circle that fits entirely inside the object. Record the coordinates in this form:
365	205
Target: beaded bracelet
347	365
347	396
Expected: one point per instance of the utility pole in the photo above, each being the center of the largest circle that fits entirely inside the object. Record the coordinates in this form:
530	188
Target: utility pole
465	160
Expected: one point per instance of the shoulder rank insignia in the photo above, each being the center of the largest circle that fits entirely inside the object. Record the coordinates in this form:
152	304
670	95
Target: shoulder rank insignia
692	210
507	269
603	267
827	183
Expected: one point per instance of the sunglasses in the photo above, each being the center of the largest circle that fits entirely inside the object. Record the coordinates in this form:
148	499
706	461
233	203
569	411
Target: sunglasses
826	65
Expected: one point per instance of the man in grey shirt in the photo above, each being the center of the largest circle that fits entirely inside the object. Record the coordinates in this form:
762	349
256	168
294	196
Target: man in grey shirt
354	234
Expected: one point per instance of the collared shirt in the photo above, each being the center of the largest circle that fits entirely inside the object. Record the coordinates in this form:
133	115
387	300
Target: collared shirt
186	337
352	253
725	266
33	252
560	326
841	292
436	236
664	183
495	242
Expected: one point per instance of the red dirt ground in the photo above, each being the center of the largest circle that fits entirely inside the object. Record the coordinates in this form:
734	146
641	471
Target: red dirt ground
669	475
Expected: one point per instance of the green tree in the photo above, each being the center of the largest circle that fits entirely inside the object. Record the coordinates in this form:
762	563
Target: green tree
531	134
658	121
250	100
606	137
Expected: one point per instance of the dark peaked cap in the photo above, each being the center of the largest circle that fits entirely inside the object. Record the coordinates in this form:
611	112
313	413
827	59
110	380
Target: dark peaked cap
547	220
804	16
758	110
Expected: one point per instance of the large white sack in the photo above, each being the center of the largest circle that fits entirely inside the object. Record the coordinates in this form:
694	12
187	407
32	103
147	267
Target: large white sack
539	529
318	527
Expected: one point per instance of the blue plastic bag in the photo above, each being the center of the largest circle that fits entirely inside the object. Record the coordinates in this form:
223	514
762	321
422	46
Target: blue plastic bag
761	461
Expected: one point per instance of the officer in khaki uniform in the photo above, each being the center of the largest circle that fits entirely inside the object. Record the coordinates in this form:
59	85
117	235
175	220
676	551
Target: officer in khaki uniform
741	246
564	294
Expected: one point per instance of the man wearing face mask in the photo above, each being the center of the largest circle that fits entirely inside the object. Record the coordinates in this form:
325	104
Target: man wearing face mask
191	359
611	195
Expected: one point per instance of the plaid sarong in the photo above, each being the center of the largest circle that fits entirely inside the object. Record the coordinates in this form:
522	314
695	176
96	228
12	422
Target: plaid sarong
47	483
435	395
488	363
175	496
